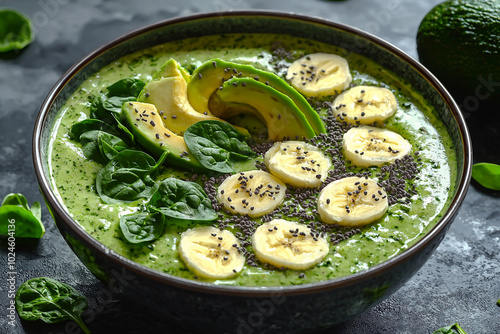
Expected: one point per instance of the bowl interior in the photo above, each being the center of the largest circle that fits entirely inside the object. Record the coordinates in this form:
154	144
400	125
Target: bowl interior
348	38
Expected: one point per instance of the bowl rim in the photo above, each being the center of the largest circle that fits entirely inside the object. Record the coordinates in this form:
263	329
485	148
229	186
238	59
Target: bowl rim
249	291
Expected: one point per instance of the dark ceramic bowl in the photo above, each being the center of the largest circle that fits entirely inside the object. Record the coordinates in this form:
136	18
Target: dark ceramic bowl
237	309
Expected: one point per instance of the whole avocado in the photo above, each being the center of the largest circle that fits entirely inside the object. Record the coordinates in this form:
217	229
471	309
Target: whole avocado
459	41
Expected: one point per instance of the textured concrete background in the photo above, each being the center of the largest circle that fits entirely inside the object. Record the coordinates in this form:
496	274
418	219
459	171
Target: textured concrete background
458	283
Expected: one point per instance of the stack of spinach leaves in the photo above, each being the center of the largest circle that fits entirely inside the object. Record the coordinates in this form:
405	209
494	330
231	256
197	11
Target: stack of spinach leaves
103	135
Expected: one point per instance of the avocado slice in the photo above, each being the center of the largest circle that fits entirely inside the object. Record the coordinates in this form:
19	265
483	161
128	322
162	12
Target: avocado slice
208	77
169	95
281	116
171	68
145	122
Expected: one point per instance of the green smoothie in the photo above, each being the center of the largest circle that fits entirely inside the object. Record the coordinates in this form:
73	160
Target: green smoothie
74	177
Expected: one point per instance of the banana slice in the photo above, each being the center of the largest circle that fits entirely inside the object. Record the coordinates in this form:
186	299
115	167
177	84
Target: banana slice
297	163
211	253
365	105
367	146
352	201
319	74
288	244
254	193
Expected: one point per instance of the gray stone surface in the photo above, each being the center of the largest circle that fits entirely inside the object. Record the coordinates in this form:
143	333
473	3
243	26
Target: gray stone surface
458	283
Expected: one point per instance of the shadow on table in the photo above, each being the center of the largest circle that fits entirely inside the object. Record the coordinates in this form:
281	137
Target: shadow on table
484	127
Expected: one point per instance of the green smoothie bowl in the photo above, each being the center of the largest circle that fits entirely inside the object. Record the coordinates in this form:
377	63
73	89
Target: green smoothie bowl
276	172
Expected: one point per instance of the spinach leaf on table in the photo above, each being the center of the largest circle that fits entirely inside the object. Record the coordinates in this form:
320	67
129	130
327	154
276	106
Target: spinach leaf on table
453	329
51	301
16	199
128	177
216	145
15	30
16	211
487	175
183	200
20	200
142	226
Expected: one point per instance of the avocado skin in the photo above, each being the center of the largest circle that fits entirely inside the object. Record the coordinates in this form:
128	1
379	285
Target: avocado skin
458	41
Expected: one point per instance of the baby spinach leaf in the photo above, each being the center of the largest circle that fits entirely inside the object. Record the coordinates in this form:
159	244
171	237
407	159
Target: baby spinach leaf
110	145
126	87
51	301
450	330
122	91
109	111
216	144
88	125
209	155
107	107
36	210
114	104
101	146
97	110
487	175
223	135
128	177
183	200
17	219
123	128
16	199
142	226
15	30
